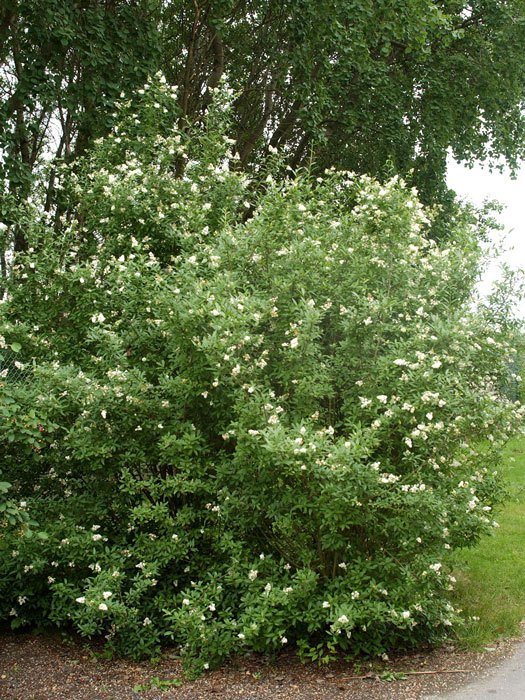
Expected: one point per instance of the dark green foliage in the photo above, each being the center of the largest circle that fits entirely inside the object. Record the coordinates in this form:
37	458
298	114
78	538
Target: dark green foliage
373	86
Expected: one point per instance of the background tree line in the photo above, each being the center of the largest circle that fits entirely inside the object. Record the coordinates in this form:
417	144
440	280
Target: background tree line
372	86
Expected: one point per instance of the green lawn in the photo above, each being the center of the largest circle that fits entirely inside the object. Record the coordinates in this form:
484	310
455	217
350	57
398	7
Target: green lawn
491	577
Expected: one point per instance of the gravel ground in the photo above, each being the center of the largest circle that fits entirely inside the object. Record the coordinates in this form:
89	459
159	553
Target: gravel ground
47	668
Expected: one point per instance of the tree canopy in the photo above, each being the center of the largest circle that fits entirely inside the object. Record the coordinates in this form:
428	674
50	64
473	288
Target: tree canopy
372	86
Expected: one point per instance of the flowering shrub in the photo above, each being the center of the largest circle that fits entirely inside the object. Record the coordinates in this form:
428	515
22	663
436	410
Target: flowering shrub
265	414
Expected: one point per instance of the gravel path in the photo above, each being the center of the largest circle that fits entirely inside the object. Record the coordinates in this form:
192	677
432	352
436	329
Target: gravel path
47	668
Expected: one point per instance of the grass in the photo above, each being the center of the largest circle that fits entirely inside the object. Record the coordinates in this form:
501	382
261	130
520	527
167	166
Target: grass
491	577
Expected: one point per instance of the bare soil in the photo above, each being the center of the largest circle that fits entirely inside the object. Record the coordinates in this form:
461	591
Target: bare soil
43	667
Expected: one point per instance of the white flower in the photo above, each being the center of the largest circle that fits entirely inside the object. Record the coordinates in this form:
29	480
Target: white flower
294	342
186	601
284	640
96	537
436	364
382	398
252	575
241	635
146	621
103	607
343	619
236	370
389	478
405	614
355	595
104	413
326	604
400	363
107	594
211	607
81	599
273	420
364	401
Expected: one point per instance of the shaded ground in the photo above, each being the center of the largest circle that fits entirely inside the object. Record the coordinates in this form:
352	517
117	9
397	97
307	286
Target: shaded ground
46	668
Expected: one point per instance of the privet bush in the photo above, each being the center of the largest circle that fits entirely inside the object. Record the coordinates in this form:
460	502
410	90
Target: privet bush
251	416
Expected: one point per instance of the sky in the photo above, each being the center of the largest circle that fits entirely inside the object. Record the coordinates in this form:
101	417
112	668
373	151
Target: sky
478	184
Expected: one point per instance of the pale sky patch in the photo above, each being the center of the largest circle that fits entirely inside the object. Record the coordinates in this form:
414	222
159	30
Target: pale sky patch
478	184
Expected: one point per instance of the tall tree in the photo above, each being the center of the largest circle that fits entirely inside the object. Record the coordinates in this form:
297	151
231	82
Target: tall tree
62	64
365	85
359	84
